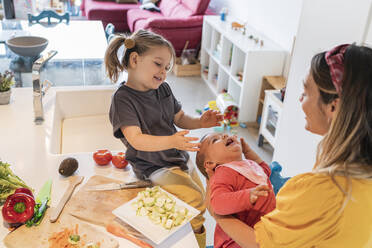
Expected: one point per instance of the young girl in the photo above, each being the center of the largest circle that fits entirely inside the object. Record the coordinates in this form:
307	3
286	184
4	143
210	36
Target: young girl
144	113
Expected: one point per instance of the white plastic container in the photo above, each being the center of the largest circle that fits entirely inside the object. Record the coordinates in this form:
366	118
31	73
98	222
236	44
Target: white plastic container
229	108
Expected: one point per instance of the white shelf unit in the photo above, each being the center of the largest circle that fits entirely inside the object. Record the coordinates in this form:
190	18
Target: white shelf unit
238	53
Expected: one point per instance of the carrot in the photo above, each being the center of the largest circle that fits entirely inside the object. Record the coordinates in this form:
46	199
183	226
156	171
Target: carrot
120	232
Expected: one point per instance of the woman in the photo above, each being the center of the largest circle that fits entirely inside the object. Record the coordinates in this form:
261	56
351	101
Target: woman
332	205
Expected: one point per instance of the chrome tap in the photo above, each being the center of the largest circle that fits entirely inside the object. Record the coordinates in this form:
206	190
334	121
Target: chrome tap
38	91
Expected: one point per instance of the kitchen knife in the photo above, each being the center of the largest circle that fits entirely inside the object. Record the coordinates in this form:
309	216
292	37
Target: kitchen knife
118	186
44	192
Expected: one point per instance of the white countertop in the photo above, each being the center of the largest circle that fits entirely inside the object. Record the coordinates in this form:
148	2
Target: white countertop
24	145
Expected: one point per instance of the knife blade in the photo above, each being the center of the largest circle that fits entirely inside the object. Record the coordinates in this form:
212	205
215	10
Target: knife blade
118	186
44	192
42	202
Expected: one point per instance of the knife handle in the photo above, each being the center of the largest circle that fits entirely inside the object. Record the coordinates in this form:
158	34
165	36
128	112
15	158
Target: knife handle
57	211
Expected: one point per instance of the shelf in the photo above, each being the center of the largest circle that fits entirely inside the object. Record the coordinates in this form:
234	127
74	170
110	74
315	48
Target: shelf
226	68
277	82
212	87
223	80
238	54
205	77
215	59
236	81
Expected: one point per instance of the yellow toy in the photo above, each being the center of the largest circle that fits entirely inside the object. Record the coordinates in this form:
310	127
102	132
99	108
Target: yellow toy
213	105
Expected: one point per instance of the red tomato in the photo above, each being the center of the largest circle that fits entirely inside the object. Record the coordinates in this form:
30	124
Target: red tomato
119	160
102	157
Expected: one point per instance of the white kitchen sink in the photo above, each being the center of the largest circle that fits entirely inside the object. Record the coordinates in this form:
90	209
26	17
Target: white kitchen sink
81	122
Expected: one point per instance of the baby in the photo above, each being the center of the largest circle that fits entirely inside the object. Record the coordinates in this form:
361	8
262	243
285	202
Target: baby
238	186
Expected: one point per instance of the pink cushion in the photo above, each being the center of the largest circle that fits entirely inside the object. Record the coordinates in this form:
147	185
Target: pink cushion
135	15
197	7
183	8
174	8
140	24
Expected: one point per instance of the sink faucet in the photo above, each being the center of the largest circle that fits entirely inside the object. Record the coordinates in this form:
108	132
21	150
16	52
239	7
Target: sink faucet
38	91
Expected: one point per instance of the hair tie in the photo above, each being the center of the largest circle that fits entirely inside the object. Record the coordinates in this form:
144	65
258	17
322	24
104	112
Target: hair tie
335	61
129	43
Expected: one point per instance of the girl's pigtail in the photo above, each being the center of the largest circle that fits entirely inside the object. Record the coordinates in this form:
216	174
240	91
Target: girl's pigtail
113	66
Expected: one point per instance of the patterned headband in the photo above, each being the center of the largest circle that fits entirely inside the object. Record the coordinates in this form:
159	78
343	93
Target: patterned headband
335	61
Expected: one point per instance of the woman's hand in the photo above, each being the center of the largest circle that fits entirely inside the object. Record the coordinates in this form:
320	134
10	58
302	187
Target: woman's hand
210	118
208	200
180	142
249	153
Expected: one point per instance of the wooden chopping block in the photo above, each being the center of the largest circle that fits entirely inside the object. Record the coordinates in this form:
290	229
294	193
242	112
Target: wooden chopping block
96	206
38	236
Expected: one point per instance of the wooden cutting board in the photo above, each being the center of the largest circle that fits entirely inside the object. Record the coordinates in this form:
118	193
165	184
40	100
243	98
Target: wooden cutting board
38	236
96	206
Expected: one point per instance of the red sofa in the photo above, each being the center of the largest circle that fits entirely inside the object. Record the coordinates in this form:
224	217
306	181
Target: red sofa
179	20
108	12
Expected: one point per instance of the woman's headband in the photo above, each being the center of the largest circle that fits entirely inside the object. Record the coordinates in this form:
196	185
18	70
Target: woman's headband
335	61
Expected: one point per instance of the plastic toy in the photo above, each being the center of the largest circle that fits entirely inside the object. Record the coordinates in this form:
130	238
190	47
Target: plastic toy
234	124
237	25
276	179
223	14
240	76
219	129
242	125
228	127
198	111
228	108
213	105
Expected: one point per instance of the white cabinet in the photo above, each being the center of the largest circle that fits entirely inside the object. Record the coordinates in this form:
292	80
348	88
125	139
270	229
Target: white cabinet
226	53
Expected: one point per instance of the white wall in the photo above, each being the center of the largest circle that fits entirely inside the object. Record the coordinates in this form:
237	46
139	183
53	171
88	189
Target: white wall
276	19
322	25
368	39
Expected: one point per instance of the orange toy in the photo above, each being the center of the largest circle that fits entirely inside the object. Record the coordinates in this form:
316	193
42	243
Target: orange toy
236	25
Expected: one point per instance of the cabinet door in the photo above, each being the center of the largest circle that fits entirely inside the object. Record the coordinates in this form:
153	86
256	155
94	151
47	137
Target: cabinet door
270	115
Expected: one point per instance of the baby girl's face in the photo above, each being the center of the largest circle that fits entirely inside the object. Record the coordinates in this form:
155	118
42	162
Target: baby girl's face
222	148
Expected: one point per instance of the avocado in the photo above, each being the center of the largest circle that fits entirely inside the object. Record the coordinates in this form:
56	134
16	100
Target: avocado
68	166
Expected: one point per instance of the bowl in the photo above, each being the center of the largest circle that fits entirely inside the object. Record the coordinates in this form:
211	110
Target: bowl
28	46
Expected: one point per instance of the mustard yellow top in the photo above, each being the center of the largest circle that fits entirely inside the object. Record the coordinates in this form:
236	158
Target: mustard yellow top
307	215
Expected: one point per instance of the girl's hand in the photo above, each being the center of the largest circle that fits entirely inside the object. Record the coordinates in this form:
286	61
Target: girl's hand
180	142
260	190
249	153
210	118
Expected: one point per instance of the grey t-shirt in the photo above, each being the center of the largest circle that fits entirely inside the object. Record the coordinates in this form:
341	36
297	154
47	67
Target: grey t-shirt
153	111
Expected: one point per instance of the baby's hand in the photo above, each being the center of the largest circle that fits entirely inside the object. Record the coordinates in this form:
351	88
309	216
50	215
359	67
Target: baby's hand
249	153
260	190
180	142
210	118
